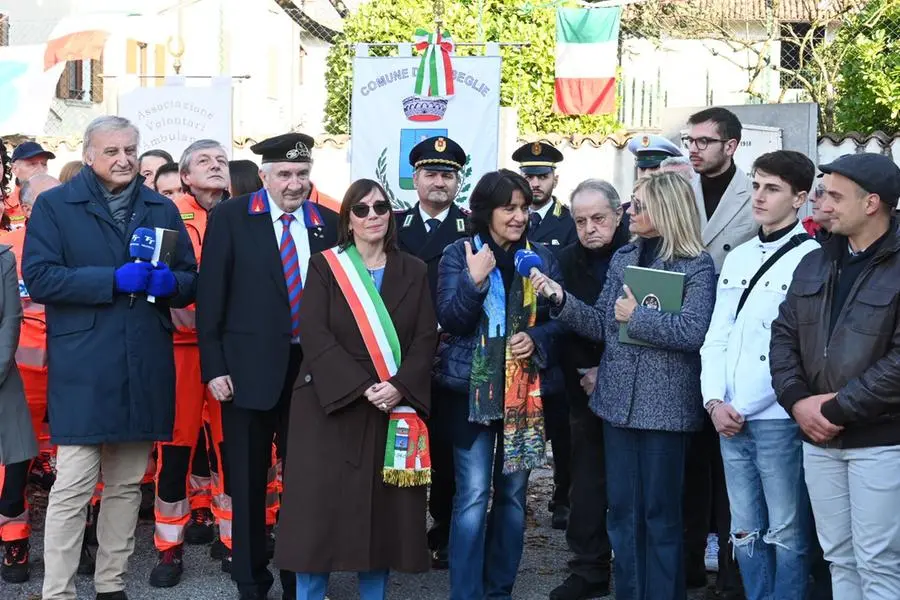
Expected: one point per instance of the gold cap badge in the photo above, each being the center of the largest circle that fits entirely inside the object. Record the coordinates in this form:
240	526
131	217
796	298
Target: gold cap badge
645	141
440	144
536	148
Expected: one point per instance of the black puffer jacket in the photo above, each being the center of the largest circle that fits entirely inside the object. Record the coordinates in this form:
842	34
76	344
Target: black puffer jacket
859	360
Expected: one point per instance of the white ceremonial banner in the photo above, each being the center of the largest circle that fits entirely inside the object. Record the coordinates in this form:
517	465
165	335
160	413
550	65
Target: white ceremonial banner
173	116
388	119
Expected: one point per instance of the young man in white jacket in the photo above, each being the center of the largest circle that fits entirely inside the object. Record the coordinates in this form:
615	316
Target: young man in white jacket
761	445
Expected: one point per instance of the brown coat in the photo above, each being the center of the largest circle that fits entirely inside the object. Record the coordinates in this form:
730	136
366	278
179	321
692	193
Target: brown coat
337	514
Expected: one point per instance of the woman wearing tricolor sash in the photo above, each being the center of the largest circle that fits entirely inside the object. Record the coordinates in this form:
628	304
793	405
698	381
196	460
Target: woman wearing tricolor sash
501	341
358	462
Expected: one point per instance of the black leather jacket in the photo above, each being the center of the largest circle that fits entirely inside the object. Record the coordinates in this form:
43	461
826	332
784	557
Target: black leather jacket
859	360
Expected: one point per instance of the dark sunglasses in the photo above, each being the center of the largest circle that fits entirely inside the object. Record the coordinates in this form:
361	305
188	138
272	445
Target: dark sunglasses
361	211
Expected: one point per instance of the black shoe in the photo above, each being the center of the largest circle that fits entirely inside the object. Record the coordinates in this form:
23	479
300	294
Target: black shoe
200	530
576	587
695	572
560	519
440	559
90	530
42	473
270	542
226	561
168	569
15	567
148	501
86	562
217	550
120	595
728	594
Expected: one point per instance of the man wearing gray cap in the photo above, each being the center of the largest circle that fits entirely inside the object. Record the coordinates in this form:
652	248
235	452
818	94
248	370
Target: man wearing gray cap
835	362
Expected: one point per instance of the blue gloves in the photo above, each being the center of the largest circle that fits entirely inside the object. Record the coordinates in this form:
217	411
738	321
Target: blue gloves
162	282
133	277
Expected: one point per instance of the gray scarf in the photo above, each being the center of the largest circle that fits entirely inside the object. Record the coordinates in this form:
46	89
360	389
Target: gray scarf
120	203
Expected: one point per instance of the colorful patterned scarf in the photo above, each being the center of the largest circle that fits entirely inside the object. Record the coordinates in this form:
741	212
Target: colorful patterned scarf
407	460
512	393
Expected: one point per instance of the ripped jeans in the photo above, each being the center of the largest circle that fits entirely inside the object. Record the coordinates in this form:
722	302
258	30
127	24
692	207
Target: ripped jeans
771	519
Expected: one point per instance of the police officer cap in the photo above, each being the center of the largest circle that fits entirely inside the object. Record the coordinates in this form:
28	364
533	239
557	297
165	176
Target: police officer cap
537	158
875	173
438	153
650	150
290	147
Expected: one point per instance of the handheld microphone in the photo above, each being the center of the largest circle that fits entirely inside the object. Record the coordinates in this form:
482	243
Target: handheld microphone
527	262
141	249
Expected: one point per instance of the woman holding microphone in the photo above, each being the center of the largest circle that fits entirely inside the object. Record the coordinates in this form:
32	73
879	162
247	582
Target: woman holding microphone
500	342
648	395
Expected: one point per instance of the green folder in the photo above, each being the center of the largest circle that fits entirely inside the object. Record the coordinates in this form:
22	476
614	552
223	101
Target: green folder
652	288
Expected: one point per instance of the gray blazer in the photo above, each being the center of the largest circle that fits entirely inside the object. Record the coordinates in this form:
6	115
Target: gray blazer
732	222
17	441
640	387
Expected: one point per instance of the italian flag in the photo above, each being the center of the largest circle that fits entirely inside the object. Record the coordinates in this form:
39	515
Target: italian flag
586	60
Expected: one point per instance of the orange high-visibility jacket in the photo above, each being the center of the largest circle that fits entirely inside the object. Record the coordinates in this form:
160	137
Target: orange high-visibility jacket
194	217
32	351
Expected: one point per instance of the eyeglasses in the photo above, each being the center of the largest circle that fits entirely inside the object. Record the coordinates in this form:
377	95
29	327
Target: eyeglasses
637	207
361	211
702	143
818	193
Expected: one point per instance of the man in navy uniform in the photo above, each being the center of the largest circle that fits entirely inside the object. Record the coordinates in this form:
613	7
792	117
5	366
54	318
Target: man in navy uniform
551	224
649	151
425	230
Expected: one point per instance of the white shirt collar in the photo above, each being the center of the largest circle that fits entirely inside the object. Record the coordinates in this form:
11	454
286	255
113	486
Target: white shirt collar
440	217
545	209
276	211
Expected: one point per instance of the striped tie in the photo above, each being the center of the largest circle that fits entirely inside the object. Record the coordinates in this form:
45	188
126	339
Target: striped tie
290	262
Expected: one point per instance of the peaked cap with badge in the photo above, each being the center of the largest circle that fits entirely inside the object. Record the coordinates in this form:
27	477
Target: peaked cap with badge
650	150
289	147
438	153
537	158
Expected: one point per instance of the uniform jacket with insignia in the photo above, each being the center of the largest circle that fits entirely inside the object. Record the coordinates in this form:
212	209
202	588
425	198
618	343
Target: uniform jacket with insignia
557	229
243	312
429	246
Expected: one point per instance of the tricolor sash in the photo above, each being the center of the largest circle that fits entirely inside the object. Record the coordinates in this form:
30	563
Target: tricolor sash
407	461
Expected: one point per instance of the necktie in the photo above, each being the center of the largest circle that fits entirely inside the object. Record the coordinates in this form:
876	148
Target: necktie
433	225
534	221
290	262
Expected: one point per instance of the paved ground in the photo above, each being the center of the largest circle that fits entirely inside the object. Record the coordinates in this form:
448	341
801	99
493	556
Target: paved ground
543	566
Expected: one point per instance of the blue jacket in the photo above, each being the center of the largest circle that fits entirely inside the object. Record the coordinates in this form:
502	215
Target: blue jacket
459	309
640	387
110	367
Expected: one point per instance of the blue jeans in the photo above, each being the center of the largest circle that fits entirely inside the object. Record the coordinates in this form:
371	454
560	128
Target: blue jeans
644	478
770	513
485	549
312	586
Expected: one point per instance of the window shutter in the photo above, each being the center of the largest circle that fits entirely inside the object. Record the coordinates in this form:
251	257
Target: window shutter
4	30
62	88
131	52
159	64
97	80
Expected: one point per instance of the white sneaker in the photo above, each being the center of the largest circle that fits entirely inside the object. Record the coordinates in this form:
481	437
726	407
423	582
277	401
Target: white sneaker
711	558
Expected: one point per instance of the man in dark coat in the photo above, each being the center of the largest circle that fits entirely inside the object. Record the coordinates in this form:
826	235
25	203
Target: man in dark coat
255	259
111	372
550	223
602	228
424	231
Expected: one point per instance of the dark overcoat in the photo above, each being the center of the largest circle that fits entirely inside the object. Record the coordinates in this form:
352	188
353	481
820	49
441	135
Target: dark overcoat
110	366
337	514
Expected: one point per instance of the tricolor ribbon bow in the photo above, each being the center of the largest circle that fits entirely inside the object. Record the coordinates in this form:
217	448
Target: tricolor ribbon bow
436	47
